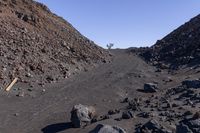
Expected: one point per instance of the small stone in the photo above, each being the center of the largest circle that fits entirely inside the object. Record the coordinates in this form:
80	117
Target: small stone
29	89
15	89
133	105
50	78
158	70
112	112
29	75
145	114
150	87
175	105
189	102
118	119
125	100
196	115
4	69
104	117
148	101
180	108
187	113
21	94
16	114
127	115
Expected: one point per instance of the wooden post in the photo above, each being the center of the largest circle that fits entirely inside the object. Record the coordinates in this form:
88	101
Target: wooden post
11	84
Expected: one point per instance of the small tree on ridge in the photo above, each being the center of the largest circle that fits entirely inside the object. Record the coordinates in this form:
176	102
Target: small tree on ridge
110	45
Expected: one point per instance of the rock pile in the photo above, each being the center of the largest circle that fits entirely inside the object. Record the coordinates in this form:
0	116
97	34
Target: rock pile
181	47
164	111
39	47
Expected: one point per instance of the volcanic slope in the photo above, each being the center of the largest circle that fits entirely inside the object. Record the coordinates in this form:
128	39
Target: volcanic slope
180	47
38	47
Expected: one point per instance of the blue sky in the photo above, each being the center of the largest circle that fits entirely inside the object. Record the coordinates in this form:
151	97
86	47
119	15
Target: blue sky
126	23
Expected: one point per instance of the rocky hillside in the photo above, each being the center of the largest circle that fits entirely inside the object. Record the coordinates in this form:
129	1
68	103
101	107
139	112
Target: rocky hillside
38	46
179	48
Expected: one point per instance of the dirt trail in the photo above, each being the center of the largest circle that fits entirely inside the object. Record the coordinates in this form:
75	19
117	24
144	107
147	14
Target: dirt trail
109	82
103	87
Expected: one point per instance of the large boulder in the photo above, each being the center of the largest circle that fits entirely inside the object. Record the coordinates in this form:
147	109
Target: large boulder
150	87
192	83
107	129
82	115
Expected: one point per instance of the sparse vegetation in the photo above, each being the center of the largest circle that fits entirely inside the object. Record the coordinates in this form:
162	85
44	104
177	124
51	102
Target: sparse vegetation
110	45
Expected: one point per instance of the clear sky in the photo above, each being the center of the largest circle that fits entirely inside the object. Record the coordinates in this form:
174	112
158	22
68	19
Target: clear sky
126	23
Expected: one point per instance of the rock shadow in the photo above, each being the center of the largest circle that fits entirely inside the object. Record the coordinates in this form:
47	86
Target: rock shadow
56	128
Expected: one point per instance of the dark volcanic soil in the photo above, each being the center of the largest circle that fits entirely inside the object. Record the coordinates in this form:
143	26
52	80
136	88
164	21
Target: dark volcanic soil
103	87
46	54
